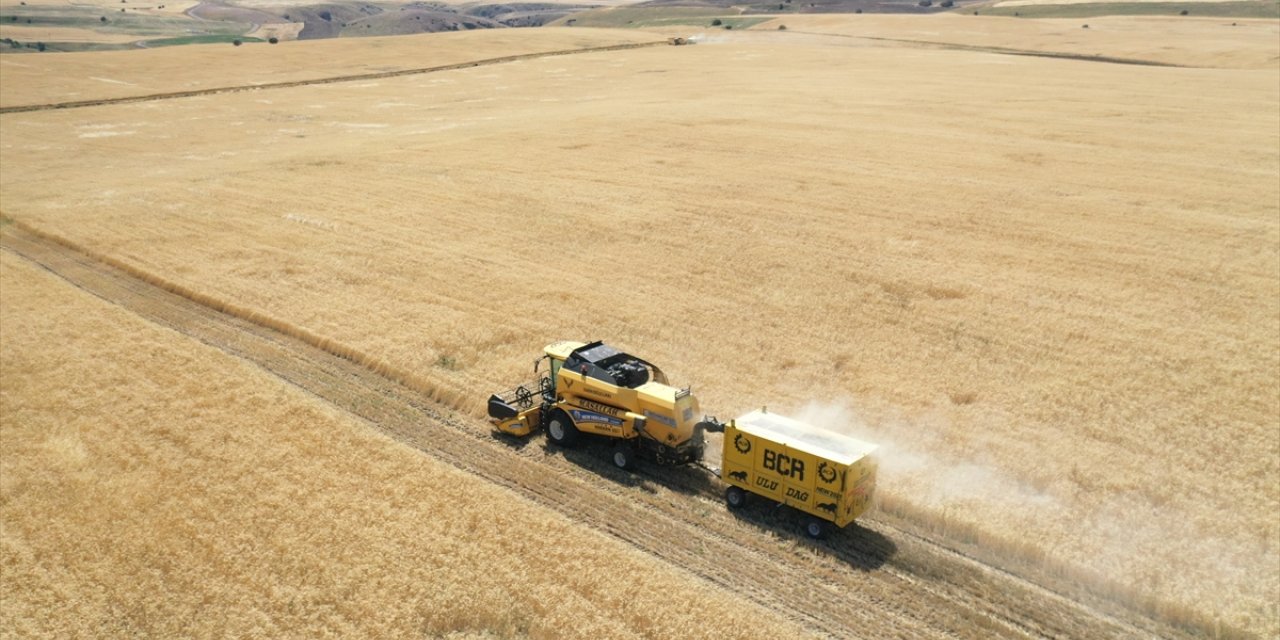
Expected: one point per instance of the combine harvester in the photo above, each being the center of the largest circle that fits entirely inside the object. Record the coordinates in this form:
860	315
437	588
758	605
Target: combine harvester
595	390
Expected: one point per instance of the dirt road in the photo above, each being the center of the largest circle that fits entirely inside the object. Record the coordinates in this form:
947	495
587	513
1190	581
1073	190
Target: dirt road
877	580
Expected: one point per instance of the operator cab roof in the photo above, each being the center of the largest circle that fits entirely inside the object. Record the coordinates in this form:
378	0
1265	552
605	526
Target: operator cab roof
830	445
562	349
597	352
609	365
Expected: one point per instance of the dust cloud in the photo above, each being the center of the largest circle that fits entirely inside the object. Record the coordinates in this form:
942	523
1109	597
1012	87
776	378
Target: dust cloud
714	453
1120	535
949	480
703	38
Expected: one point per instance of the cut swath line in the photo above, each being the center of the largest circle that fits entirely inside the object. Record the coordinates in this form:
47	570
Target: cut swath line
1000	50
105	134
320	81
110	81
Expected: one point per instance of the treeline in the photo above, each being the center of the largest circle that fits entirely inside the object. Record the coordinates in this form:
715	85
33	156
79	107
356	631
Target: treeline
38	46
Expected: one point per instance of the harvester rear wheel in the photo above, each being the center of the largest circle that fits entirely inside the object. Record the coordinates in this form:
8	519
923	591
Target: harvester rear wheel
560	429
735	497
624	456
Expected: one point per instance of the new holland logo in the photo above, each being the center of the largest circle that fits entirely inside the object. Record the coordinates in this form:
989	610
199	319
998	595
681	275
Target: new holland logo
827	474
742	444
579	415
568	382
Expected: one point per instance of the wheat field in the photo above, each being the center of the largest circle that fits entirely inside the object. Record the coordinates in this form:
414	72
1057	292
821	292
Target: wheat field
108	75
1228	43
257	511
1049	287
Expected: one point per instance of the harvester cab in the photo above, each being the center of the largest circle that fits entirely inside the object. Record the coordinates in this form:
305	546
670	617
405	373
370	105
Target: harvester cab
596	389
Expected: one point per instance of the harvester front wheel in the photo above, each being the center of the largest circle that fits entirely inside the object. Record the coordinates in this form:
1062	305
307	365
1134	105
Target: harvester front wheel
735	497
561	431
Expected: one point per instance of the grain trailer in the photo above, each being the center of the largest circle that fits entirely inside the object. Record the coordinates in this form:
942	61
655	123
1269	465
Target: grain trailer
828	476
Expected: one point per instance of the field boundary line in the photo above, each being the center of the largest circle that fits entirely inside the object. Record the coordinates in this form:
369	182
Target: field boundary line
173	95
1060	55
449	399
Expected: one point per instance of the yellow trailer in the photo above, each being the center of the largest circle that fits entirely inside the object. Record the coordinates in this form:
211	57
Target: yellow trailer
828	476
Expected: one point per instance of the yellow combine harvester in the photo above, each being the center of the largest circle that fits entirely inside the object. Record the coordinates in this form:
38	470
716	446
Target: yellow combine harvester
595	389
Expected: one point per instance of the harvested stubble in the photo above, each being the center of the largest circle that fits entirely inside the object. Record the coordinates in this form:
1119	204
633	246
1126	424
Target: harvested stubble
1202	42
199	497
93	76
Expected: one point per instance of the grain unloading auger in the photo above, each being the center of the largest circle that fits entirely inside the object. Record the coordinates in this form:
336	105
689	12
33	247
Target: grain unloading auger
595	390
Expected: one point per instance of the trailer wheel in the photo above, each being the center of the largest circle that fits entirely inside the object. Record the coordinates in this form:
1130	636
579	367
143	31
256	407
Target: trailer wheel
561	431
735	497
623	456
815	528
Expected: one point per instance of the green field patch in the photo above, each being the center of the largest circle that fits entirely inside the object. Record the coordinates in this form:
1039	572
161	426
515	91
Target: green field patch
104	21
172	27
209	39
47	20
741	23
10	45
1243	9
64	47
707	22
640	17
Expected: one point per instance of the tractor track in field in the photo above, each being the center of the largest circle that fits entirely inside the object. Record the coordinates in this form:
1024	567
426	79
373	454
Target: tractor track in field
378	75
875	580
1007	51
